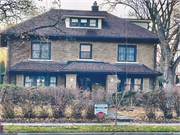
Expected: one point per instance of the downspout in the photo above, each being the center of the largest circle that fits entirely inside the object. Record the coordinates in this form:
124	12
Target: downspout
155	66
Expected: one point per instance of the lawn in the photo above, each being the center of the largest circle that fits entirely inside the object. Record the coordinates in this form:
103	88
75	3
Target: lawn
90	128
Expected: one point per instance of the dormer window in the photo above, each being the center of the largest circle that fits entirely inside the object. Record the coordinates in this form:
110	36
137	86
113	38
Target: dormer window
92	23
74	22
83	22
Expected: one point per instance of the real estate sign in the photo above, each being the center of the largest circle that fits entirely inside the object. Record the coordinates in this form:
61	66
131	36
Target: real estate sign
100	109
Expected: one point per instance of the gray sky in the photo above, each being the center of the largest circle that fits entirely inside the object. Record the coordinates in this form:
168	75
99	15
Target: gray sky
84	5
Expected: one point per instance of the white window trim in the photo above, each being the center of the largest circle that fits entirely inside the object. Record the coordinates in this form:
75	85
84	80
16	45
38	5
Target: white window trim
127	62
39	60
86	59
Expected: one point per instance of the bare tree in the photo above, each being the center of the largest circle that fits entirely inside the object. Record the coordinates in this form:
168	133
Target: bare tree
165	18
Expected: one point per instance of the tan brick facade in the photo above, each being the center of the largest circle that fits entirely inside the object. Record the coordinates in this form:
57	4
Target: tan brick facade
63	51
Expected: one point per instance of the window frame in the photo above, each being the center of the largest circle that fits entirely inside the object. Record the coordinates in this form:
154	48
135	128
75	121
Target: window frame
79	24
85	51
126	46
41	43
35	77
121	87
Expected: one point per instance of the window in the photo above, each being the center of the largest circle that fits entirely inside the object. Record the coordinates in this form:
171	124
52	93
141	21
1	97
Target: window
85	51
130	84
74	22
40	50
52	81
92	22
81	22
84	22
40	81
28	81
127	53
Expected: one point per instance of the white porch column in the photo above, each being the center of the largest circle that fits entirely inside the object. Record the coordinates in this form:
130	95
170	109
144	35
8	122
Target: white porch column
71	81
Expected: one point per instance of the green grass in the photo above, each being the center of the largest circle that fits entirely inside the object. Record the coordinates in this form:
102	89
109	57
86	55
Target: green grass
90	128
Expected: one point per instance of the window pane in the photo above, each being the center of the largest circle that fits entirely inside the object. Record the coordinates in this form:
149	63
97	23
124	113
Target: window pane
85	48
85	55
122	53
52	81
137	81
130	53
83	20
74	20
92	22
28	81
36	46
41	81
137	87
45	51
128	81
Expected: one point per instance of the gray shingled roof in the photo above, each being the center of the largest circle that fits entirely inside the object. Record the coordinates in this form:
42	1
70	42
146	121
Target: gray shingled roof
88	67
112	26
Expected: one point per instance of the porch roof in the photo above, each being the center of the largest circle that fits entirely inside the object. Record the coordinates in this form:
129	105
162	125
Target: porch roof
82	67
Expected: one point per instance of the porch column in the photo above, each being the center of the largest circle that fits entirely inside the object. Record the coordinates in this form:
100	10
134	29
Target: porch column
111	86
20	80
146	84
71	81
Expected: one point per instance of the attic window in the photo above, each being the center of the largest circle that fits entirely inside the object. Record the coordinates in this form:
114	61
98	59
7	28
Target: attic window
74	22
83	22
92	22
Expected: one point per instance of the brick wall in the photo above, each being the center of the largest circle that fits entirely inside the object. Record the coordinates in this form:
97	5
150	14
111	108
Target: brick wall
63	51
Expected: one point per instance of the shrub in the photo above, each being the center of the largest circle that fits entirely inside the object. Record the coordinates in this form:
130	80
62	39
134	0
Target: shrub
125	98
99	95
177	102
90	112
77	110
8	110
44	113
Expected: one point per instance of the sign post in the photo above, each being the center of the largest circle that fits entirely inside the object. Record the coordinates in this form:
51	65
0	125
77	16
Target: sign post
101	109
1	127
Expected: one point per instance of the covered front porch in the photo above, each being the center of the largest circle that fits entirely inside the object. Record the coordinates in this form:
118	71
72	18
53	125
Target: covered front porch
84	75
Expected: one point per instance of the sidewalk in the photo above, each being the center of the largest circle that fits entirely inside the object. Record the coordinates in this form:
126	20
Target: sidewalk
69	124
102	133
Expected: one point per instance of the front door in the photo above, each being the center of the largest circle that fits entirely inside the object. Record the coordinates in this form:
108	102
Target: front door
84	83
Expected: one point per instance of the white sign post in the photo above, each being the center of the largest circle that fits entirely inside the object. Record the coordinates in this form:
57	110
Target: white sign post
100	109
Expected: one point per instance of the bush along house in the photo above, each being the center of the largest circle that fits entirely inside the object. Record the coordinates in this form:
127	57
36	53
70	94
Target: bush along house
86	49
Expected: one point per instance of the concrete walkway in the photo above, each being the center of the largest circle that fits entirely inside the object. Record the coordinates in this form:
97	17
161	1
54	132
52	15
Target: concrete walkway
112	115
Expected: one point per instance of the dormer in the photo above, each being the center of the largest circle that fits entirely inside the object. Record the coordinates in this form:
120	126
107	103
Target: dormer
83	21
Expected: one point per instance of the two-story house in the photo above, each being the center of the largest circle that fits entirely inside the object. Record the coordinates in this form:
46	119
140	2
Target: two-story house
86	49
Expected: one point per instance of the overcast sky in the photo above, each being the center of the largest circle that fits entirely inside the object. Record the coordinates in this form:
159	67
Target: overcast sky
84	5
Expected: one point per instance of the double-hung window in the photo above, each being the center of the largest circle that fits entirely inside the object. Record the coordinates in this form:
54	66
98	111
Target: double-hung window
41	50
85	51
127	53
